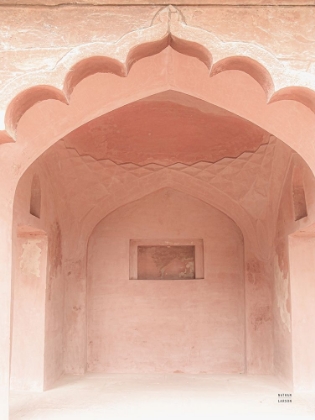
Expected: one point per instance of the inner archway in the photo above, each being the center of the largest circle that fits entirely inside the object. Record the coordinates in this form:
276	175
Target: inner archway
173	325
203	153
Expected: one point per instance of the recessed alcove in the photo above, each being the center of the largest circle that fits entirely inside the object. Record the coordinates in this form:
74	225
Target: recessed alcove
166	259
160	218
137	326
166	262
163	254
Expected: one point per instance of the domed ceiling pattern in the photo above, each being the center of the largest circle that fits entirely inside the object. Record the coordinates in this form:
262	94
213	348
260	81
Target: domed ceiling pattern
162	136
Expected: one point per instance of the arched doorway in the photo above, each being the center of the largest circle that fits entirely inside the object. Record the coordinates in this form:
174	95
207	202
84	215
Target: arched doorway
254	201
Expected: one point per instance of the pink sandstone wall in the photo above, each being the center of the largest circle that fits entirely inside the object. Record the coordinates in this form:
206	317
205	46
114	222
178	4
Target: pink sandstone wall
192	326
259	321
281	301
302	249
55	31
29	292
268	340
286	334
43	39
38	291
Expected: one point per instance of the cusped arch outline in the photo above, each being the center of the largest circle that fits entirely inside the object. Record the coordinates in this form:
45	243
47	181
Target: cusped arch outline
168	28
303	95
211	196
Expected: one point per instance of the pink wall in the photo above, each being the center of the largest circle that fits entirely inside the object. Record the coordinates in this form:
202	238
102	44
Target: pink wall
302	269
272	36
259	321
269	333
37	345
281	287
288	262
166	326
28	334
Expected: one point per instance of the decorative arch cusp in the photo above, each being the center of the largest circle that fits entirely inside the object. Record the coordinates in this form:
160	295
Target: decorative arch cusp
168	54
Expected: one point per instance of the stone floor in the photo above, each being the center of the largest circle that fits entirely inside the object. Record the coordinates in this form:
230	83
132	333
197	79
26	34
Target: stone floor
162	396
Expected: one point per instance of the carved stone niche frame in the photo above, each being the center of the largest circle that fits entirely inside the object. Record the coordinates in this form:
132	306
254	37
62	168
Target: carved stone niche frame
196	243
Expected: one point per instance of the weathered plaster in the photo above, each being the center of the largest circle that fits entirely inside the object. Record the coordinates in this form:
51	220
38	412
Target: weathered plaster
30	258
282	295
278	81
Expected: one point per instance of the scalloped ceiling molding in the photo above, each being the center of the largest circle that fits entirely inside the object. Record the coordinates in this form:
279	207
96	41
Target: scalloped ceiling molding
167	28
239	187
227	174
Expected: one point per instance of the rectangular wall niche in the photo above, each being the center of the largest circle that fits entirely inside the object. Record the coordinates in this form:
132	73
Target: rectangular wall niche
166	259
166	262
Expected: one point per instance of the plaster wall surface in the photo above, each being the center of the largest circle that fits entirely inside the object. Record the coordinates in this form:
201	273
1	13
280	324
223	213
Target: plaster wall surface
56	31
282	299
38	294
302	248
286	333
190	326
28	338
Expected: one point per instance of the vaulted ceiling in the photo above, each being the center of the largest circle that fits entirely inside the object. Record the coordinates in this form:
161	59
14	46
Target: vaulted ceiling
167	135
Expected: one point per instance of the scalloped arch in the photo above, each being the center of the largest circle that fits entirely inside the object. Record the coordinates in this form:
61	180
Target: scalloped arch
192	49
295	93
102	64
25	100
246	64
168	28
89	66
